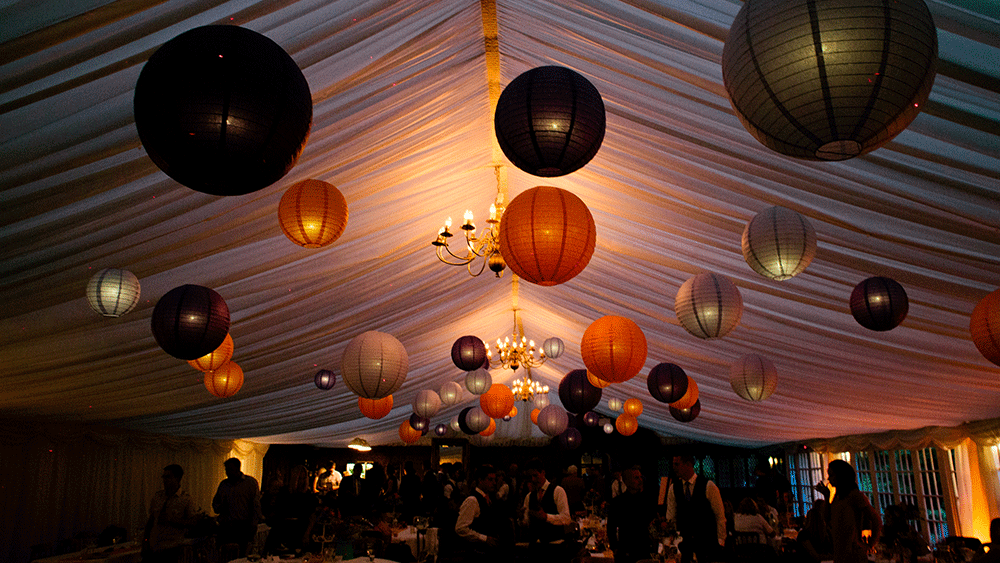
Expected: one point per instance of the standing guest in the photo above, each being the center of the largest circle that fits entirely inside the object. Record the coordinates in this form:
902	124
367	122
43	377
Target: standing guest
545	513
850	512
573	484
814	537
617	484
748	519
409	491
171	513
695	503
237	502
629	516
328	480
482	528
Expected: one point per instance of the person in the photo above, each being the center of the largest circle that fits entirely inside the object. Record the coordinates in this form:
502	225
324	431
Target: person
409	491
629	517
993	555
237	502
171	513
328	480
574	486
617	484
814	537
748	519
850	513
695	504
545	515
483	530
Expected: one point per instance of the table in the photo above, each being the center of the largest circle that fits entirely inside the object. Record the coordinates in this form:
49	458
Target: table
410	536
126	553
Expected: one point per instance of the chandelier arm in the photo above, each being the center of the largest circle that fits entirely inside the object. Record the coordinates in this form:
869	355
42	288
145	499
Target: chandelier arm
482	267
462	261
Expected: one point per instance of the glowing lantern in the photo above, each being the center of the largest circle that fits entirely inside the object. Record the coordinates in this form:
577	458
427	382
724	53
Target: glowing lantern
450	393
455	424
325	379
113	292
427	404
984	325
547	235
570	439
375	408
541	400
497	401
753	377
190	321
407	433
577	394
312	213
225	381
468	353
608	427
553	347
615	404
686	414
708	305
626	424
553	420
667	382
489	429
613	348
534	415
597	381
779	243
690	396
879	303
472	420
478	381
419	423
441	429
216	358
513	412
633	407
590	418
374	365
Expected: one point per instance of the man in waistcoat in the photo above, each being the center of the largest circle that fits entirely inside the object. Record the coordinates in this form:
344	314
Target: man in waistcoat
484	531
629	516
695	504
545	513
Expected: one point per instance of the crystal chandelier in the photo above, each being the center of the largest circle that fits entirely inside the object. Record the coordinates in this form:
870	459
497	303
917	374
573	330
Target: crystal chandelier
485	245
517	353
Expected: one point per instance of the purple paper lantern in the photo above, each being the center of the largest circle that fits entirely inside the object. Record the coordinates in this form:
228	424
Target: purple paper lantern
553	420
688	414
325	379
441	429
190	321
468	353
576	392
879	303
591	418
667	382
570	438
418	422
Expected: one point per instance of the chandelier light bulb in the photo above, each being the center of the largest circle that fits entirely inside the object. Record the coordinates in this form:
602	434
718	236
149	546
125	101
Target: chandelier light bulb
447	223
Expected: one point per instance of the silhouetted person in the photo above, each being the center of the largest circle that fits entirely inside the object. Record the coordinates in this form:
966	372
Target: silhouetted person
850	512
545	513
696	504
237	502
814	537
629	516
484	532
171	513
409	491
573	484
993	555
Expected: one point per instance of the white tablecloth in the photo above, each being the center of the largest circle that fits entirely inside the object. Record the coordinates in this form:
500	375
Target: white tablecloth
429	543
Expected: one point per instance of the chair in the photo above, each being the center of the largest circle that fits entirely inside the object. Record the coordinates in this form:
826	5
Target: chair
744	538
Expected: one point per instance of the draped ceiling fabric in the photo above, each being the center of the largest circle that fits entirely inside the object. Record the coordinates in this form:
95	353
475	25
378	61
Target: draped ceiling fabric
403	127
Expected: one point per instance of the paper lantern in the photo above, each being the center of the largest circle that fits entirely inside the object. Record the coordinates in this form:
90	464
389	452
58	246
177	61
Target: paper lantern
216	358
427	404
374	365
450	393
513	412
667	382
626	424
686	414
549	121
497	401
312	213
753	377
553	347
879	303
223	110
597	381
489	429
455	424
113	292
708	305
590	418
552	420
468	353
570	439
478	381
419	423
190	321
473	420
613	348
534	415
547	235
984	325
779	243
615	404
690	396
541	400
441	430
407	433
829	80
633	407
375	409
325	379
225	381
608	427
577	394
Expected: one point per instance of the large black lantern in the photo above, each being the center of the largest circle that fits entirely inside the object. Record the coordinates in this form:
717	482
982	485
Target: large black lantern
468	353
550	121
688	414
223	110
576	392
190	321
879	303
667	383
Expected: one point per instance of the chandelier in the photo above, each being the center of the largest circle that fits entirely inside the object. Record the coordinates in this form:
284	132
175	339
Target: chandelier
485	245
525	388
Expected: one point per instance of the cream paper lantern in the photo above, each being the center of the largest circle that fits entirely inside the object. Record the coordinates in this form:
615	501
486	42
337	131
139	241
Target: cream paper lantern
753	377
478	381
450	393
427	404
779	243
113	292
374	365
708	305
553	347
541	400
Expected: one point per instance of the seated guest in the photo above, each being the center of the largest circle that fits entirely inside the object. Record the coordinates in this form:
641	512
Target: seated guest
748	519
993	555
814	537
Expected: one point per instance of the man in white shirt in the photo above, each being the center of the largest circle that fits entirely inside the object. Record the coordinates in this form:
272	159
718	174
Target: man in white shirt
695	503
545	512
481	526
171	513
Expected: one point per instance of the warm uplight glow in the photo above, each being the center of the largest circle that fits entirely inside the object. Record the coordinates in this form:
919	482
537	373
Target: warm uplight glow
360	445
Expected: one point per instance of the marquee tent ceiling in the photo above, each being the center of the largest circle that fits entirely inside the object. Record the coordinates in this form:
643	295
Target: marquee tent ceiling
402	125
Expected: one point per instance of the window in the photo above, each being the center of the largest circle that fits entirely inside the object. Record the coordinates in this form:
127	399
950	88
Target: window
805	469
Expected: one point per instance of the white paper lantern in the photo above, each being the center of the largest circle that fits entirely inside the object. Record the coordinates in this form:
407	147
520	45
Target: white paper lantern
615	404
477	420
708	305
552	420
608	428
541	400
779	243
450	393
553	347
478	381
374	365
753	377
454	424
427	404
113	292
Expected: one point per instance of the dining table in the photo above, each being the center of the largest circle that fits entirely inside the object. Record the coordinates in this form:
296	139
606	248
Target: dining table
130	552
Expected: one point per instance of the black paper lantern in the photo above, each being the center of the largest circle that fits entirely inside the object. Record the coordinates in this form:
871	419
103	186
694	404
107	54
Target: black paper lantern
576	392
879	303
688	414
831	79
550	121
418	422
591	418
468	353
325	379
441	430
223	110
190	321
667	382
570	438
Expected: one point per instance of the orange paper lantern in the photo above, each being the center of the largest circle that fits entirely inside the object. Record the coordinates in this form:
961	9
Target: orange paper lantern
613	348
534	415
497	401
633	407
689	398
985	327
375	408
547	235
312	213
216	358
626	424
489	429
225	381
597	381
407	432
